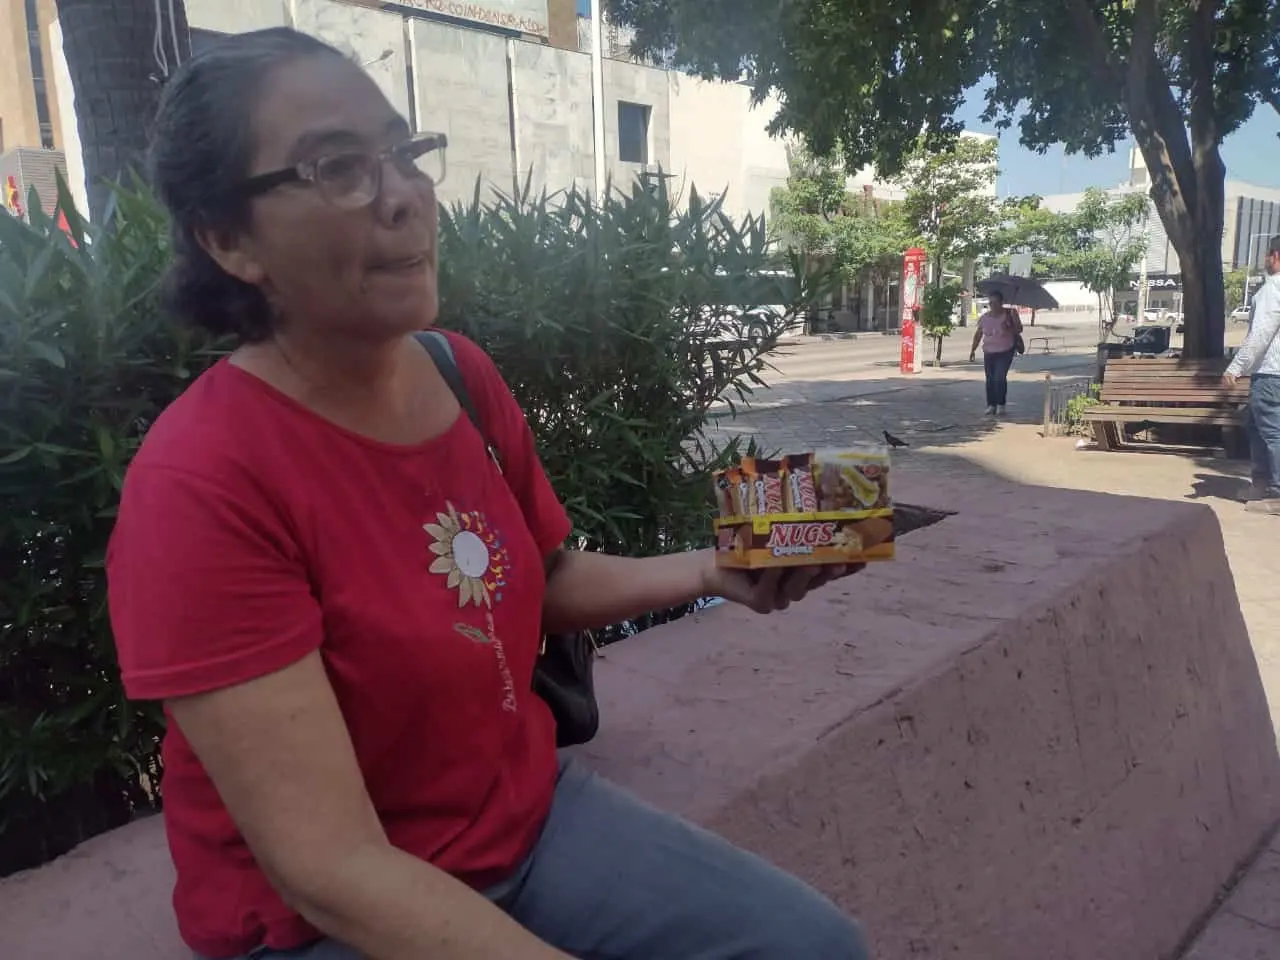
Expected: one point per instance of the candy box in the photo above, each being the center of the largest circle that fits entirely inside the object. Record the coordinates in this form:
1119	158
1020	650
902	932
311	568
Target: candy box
831	506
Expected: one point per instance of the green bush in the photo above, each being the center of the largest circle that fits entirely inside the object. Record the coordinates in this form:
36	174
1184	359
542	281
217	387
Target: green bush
618	327
1074	417
86	362
937	310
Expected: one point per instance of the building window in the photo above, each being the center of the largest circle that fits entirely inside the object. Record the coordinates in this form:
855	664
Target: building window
633	132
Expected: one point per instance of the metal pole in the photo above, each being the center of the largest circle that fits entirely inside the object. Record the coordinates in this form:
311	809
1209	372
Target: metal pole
1142	276
597	95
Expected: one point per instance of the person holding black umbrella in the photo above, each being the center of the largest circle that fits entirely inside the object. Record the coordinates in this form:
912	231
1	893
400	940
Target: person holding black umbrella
999	332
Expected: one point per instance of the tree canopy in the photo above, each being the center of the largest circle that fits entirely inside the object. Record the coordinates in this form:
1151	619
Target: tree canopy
817	215
950	199
872	78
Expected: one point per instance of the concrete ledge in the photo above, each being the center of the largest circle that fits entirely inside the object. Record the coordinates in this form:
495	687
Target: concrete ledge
1042	726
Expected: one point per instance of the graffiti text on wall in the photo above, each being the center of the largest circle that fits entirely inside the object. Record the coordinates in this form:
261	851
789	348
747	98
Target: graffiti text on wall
491	12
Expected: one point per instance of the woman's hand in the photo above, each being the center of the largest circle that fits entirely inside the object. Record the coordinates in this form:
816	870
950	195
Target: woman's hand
766	591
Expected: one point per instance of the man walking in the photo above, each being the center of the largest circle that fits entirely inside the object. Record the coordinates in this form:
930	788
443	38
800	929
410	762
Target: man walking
1259	359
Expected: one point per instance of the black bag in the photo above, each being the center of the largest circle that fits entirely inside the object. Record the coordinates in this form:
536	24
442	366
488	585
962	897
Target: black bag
1019	345
562	675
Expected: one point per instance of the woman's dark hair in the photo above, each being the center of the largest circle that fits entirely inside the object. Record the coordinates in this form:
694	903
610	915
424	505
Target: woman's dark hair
201	147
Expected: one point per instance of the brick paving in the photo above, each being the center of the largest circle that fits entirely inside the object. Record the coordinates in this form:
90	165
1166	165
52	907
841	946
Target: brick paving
940	414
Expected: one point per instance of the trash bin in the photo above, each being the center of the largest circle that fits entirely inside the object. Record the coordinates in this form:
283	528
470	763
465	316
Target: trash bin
1109	350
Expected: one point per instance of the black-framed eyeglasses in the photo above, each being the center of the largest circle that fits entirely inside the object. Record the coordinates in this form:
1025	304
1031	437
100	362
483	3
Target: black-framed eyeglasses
352	179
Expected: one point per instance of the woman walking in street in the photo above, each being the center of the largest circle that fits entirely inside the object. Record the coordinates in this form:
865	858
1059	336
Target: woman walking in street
998	332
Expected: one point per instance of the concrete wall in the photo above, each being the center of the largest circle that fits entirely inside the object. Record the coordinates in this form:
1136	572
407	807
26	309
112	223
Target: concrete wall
18	119
1038	744
562	24
554	117
646	86
68	127
372	38
466	79
461	80
719	143
237	16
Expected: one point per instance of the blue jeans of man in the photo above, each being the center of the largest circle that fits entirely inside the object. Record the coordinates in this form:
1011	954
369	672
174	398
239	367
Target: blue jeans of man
1264	432
996	366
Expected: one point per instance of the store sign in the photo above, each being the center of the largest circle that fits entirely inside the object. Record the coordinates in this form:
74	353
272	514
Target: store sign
527	16
1168	282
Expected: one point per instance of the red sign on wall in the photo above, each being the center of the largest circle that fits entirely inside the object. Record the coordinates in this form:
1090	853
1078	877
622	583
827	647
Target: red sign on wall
913	266
12	199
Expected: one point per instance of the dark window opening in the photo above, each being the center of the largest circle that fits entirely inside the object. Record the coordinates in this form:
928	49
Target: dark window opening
633	132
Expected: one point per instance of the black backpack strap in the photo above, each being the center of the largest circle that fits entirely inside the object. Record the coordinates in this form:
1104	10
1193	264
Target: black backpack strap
441	351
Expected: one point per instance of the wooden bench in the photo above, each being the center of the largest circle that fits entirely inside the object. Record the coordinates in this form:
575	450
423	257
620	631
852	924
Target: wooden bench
1046	342
1164	390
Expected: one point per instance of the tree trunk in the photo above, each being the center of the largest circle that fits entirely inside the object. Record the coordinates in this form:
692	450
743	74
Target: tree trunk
110	46
1188	178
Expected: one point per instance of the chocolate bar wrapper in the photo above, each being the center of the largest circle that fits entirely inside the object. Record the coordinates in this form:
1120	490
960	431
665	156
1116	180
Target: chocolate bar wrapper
849	520
801	494
724	496
766	486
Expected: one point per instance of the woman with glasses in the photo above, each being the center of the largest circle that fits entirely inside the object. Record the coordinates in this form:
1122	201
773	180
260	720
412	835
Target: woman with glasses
339	596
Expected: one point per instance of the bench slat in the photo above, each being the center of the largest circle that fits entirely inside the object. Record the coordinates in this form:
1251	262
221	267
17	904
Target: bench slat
1204	415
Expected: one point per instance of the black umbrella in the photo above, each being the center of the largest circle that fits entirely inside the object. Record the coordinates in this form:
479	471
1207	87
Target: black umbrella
1018	291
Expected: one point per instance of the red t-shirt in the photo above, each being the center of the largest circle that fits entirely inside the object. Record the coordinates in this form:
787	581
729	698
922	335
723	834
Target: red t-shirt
252	532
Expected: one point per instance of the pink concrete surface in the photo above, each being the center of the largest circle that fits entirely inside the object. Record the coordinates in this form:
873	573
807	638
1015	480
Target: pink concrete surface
1039	733
109	899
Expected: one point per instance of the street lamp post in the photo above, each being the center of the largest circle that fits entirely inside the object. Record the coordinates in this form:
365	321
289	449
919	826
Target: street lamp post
1248	266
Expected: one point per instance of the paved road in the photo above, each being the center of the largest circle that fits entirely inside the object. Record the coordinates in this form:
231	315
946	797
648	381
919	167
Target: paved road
827	369
832	392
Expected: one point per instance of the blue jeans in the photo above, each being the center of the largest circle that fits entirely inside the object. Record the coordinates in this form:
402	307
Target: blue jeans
996	366
1264	432
612	878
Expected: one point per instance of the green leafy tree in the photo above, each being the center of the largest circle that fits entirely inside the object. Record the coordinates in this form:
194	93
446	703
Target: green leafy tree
1234	289
1100	242
1031	228
937	309
950	200
842	238
1085	74
950	206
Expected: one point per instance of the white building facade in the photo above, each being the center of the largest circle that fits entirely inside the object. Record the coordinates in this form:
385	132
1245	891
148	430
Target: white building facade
510	84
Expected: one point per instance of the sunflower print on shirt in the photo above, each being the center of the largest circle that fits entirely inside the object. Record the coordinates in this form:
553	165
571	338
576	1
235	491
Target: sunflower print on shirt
470	554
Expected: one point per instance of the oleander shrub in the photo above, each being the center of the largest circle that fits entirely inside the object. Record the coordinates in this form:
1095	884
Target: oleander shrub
620	327
86	363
